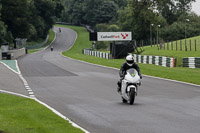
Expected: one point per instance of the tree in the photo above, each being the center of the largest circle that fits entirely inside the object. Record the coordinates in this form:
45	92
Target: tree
78	12
30	18
58	9
184	6
173	9
15	16
176	31
105	12
113	28
44	14
5	36
125	18
90	13
67	12
2	28
121	3
167	9
137	17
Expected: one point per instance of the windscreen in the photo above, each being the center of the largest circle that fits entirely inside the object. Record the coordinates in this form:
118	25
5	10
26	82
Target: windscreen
132	72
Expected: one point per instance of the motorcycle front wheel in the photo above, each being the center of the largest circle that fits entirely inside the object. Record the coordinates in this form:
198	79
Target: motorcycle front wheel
132	96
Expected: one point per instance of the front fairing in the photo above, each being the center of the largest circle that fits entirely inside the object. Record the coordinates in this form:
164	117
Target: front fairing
132	76
130	80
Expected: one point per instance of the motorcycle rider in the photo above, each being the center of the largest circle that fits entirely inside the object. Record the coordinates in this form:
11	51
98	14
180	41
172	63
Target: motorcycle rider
51	48
125	66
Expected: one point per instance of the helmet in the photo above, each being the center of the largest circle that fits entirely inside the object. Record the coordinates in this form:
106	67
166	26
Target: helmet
130	60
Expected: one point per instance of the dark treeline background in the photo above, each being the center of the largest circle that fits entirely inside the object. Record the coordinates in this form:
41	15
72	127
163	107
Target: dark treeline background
135	16
29	19
32	19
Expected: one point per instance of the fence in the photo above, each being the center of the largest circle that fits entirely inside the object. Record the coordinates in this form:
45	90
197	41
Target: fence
96	53
181	45
191	62
156	60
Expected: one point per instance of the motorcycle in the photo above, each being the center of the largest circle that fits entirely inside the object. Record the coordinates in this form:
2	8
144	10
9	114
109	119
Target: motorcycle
129	86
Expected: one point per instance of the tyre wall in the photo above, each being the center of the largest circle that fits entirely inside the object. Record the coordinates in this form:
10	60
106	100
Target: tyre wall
156	60
97	54
191	62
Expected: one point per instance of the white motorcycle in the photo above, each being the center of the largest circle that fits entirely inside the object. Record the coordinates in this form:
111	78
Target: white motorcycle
129	86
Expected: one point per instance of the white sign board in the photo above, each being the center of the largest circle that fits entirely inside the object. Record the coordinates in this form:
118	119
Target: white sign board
114	36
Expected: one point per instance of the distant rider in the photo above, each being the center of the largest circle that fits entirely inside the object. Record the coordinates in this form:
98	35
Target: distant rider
125	66
51	48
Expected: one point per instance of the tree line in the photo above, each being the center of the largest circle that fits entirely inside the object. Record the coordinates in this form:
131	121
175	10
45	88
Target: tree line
143	17
29	19
32	19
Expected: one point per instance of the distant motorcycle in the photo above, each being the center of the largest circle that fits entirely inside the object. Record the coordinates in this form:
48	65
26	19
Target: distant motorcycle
51	48
129	86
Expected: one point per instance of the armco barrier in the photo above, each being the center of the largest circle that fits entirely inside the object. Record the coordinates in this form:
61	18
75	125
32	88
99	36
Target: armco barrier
156	60
191	62
96	53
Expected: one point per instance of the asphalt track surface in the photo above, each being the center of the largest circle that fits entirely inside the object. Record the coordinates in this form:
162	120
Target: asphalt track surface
87	95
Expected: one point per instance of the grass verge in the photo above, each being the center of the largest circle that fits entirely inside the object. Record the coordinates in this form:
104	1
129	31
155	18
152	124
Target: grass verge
178	73
51	38
22	115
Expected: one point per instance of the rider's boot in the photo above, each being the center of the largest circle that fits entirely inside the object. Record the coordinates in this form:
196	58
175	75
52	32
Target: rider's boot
118	87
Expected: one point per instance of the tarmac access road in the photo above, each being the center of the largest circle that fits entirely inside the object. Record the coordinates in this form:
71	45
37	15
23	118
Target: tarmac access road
87	95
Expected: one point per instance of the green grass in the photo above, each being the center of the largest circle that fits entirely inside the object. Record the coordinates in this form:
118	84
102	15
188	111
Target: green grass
51	38
179	55
22	115
31	43
178	73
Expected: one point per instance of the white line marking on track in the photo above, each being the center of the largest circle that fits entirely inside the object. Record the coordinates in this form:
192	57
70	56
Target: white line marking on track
62	116
30	92
32	96
13	93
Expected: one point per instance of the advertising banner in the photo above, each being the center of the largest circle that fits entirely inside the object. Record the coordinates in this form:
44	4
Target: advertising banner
114	36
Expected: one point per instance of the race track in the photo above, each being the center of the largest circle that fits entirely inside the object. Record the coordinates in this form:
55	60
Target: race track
87	94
